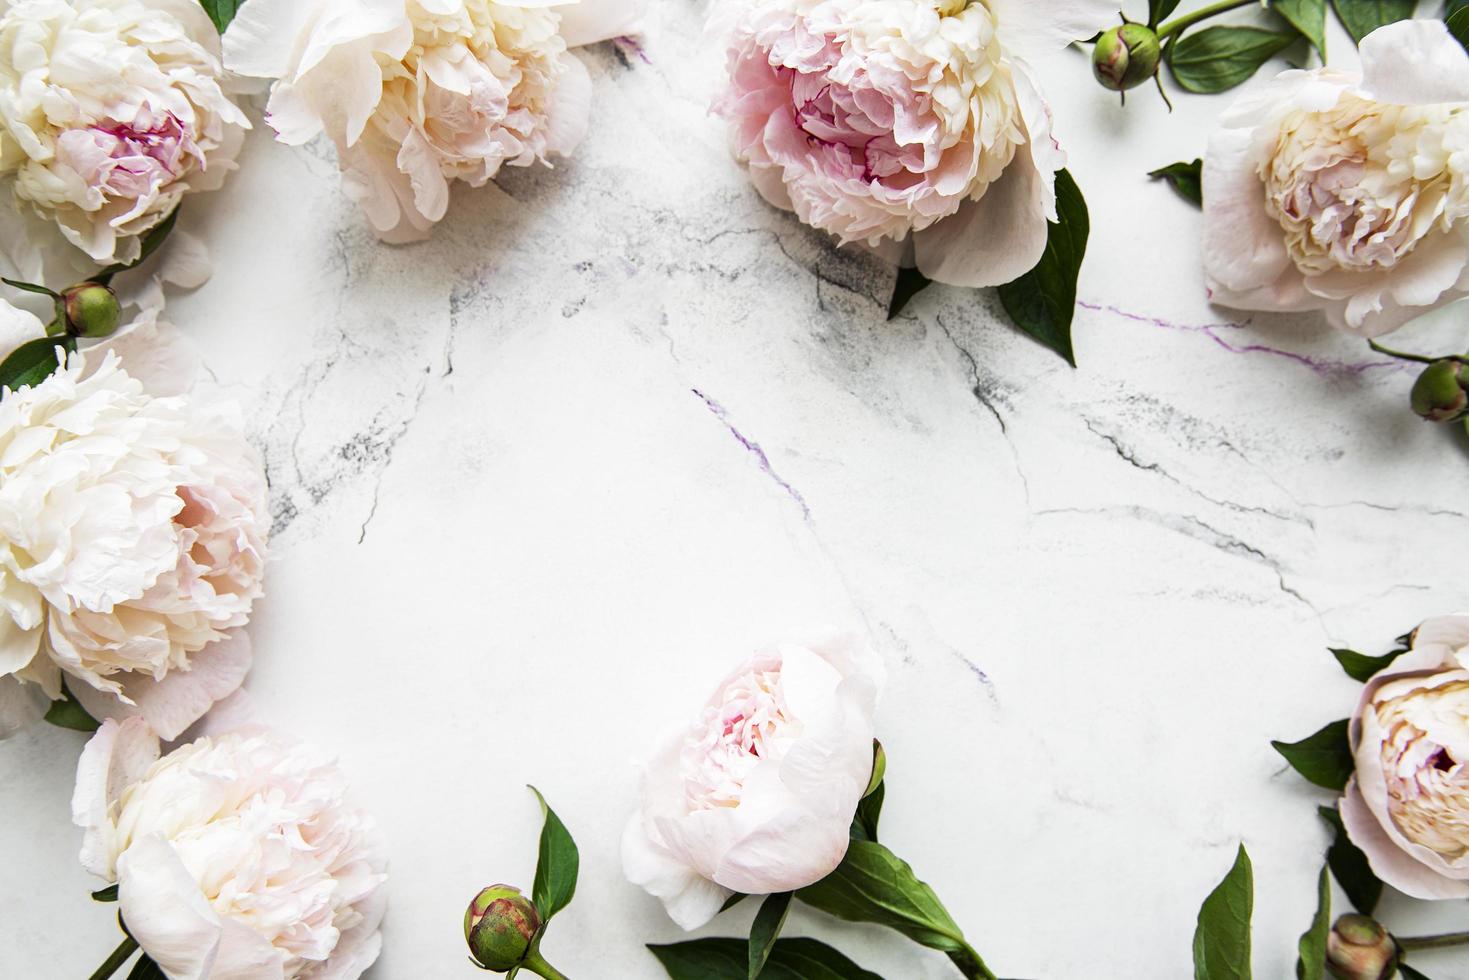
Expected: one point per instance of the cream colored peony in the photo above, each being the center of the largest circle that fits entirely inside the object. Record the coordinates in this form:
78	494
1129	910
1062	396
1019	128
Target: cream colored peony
1347	193
1407	806
884	121
757	795
110	112
132	546
235	856
417	94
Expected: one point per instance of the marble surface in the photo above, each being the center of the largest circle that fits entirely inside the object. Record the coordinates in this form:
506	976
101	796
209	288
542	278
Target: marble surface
539	482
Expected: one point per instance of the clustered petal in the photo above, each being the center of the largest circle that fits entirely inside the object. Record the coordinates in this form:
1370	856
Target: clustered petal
110	112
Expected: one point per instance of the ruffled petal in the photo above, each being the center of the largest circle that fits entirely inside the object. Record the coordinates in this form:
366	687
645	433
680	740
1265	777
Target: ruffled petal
1414	62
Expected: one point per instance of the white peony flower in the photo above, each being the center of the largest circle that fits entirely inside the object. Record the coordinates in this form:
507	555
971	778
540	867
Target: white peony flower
132	545
111	111
417	94
235	856
1407	806
1347	193
877	120
757	796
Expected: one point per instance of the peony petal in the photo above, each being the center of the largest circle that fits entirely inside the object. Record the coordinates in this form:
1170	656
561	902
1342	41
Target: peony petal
1033	27
115	757
18	647
795	850
691	900
244	954
165	910
16	327
1243	250
570	113
590	21
1389	862
1414	62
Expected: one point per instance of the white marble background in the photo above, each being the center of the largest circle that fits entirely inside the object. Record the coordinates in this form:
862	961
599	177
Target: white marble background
539	482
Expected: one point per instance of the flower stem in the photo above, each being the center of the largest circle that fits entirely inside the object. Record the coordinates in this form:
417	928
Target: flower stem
536	963
1415	358
1180	24
1434	942
120	955
970	964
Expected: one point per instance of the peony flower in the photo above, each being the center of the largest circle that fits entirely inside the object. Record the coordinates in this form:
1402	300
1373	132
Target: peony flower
757	796
875	120
111	111
1407	806
132	546
1346	192
234	856
417	94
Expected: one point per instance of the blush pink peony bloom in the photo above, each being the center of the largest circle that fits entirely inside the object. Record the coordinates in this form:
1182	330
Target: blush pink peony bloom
875	120
757	795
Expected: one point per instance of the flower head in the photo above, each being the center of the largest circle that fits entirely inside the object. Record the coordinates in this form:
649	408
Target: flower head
500	926
132	544
110	112
1347	193
235	855
757	795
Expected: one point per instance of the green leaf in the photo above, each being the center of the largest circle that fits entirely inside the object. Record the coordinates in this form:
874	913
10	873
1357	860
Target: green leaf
146	969
30	287
155	237
1220	58
1043	301
1349	865
1222	939
108	894
872	884
910	283
731	902
1408	973
1362	17
1186	178
766	929
68	712
556	866
33	361
864	822
221	11
1359	666
724	959
1306	16
1458	24
1158	10
1312	962
1325	758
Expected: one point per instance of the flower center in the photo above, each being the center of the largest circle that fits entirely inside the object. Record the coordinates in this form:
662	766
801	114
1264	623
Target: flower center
130	160
749	725
1424	762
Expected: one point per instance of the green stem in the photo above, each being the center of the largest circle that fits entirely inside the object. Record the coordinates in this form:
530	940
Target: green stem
1434	942
120	955
536	963
1415	358
970	964
1180	24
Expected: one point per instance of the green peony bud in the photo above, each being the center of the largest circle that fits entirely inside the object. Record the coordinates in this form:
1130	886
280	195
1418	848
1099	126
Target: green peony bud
1125	57
1441	393
500	926
1359	948
91	310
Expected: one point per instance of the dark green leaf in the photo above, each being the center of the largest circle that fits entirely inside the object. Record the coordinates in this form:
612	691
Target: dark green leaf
1362	17
1186	178
108	894
1408	973
1349	865
68	713
1043	301
1158	10
1220	58
1222	939
30	287
1458	24
1360	667
1312	962
146	969
766	929
556	866
1306	16
724	959
1454	6
731	902
910	283
1324	758
151	241
872	884
864	822
221	11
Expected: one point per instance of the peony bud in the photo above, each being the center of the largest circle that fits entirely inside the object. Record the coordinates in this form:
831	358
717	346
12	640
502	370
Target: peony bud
1125	57
1439	394
91	310
1359	948
500	925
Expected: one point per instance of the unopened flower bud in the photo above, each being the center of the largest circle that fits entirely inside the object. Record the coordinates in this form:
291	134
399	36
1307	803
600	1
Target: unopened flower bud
1125	57
91	310
1359	948
1441	393
500	925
